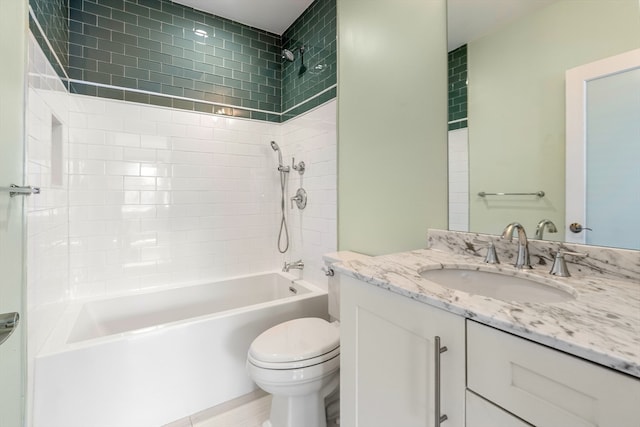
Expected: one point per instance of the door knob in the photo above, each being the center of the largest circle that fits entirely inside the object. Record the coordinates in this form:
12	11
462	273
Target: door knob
577	227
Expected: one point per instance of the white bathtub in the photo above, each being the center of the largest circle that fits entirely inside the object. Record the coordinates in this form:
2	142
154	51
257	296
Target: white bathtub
149	359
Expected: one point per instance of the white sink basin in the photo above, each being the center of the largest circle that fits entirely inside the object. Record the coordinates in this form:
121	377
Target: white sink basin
497	285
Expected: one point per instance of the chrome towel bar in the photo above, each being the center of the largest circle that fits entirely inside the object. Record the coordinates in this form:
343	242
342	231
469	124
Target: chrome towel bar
537	193
15	190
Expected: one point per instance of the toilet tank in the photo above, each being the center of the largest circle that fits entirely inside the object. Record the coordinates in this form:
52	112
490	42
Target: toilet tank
334	281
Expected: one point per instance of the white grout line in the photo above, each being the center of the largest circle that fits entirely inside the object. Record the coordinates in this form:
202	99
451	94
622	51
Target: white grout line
457	121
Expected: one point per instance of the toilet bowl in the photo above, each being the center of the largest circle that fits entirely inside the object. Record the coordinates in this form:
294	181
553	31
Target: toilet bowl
298	363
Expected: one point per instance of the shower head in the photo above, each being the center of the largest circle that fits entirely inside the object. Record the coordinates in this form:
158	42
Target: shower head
275	148
288	55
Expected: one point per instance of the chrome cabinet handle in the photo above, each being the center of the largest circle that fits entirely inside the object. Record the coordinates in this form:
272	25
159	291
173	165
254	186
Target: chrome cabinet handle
15	190
8	323
436	357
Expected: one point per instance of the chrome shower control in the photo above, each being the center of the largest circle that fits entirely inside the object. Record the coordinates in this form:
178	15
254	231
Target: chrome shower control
300	198
300	167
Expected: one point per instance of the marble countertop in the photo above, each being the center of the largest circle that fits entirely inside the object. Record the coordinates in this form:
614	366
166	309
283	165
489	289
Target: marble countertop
602	324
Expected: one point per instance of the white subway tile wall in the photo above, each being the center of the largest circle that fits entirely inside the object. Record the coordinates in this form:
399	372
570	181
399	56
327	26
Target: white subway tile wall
162	197
154	196
459	180
311	138
46	213
195	197
148	196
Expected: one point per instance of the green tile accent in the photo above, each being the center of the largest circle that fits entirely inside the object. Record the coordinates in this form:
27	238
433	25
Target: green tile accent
315	29
52	15
140	98
458	125
150	45
310	104
105	92
457	64
151	38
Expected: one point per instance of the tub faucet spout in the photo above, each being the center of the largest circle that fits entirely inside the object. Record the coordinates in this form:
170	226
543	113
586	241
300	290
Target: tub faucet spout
299	265
522	260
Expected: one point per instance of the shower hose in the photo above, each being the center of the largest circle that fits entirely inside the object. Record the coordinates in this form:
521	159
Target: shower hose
283	221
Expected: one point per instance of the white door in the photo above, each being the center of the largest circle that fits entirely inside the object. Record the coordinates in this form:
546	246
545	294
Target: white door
13	50
603	152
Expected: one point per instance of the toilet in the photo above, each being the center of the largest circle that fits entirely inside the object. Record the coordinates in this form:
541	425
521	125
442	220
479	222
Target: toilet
298	363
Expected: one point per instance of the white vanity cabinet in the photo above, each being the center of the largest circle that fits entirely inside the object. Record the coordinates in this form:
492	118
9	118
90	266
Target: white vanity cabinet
388	360
546	387
489	378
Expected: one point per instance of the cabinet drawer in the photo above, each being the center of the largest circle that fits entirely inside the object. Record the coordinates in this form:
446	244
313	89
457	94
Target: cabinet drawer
482	413
546	387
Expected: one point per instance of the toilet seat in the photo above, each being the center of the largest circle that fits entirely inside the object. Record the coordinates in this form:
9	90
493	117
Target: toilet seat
295	344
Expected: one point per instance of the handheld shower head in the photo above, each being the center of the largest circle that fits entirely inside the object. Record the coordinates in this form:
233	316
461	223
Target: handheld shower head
275	148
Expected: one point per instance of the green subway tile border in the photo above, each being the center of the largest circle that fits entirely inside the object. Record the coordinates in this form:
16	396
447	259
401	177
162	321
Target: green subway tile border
459	124
39	33
314	70
313	102
171	49
80	87
53	23
457	87
149	52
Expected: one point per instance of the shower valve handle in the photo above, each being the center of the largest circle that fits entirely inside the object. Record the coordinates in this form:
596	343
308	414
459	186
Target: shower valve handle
300	198
300	167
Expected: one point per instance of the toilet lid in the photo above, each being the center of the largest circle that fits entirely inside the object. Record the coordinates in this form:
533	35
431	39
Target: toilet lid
295	340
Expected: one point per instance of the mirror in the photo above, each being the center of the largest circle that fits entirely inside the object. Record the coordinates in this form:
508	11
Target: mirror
516	106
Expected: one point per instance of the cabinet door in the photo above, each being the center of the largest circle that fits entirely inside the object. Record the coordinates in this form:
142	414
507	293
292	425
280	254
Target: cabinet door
387	359
546	387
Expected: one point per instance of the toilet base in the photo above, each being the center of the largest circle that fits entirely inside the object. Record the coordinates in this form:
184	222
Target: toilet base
301	410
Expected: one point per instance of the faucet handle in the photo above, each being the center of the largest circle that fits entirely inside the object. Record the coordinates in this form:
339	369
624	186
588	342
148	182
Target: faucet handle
559	267
300	167
492	255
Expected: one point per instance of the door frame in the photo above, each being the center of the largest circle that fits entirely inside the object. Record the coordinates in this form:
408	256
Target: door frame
576	132
14	30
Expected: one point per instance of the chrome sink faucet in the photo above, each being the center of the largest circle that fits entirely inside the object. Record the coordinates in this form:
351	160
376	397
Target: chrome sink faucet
522	260
551	227
299	265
